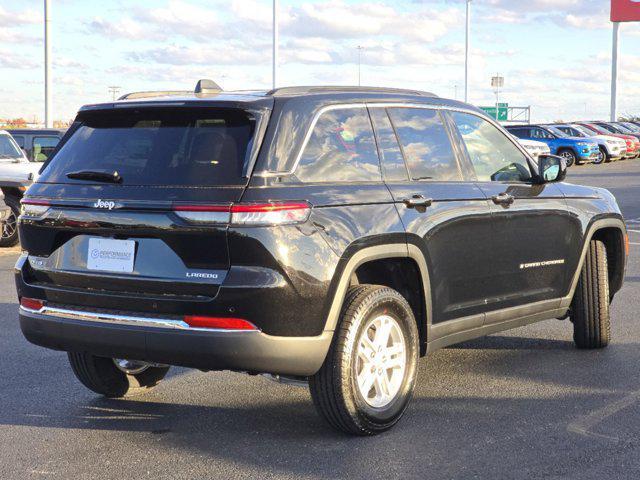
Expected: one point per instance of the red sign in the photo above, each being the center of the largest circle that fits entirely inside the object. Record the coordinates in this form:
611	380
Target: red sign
625	10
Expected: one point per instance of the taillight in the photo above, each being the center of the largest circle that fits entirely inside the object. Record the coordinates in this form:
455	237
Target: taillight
249	214
31	303
204	213
284	213
34	208
219	323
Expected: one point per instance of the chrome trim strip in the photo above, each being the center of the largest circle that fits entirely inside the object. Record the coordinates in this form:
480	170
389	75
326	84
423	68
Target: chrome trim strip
108	318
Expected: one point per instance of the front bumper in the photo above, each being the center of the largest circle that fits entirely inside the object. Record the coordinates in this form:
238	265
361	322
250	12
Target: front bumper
161	341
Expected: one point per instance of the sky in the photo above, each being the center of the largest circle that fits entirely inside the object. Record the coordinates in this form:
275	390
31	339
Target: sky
555	55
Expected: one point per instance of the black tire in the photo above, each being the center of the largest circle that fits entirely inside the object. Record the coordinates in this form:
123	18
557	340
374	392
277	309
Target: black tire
101	375
602	157
590	305
569	156
334	389
9	230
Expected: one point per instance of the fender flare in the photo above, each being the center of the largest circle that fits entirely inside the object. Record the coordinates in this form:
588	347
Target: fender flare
378	252
593	228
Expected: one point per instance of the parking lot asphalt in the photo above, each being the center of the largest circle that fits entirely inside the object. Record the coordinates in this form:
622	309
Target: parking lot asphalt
519	404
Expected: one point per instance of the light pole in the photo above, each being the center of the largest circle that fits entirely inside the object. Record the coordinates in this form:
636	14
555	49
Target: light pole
497	83
275	44
614	71
360	48
466	53
114	90
48	113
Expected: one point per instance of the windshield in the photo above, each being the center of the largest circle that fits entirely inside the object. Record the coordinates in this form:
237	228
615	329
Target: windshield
608	128
622	128
585	132
9	149
557	132
191	147
632	127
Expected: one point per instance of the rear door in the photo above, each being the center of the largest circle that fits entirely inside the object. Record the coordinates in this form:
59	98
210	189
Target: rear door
533	234
136	203
444	213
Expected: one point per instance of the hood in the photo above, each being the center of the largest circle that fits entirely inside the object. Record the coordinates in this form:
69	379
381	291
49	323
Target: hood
610	138
23	173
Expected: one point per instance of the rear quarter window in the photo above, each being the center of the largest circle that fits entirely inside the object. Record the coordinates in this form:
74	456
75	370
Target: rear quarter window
173	147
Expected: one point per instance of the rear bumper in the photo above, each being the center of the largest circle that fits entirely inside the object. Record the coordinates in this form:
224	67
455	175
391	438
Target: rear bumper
250	351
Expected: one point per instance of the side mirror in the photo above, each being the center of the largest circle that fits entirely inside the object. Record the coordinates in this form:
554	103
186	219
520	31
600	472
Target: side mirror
551	168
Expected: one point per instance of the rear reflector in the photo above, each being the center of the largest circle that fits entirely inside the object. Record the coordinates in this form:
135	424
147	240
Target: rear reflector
249	214
31	303
220	323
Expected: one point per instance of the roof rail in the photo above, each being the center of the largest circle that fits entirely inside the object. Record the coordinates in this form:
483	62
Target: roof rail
353	89
160	93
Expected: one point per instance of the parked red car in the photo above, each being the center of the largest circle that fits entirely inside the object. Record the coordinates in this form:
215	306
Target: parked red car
633	144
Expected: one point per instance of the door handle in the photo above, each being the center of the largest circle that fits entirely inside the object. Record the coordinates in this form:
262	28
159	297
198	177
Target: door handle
417	201
503	199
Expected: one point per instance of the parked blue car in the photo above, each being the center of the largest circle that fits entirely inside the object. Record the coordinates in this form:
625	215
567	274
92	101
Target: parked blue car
573	149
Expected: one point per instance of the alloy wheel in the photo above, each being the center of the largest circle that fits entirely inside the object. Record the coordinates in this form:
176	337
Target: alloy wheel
381	361
9	227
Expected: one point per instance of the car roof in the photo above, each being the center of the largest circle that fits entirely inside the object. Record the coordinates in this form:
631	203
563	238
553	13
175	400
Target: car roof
29	131
263	98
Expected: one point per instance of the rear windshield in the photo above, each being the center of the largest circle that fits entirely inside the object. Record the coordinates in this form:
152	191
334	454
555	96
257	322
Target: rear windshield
191	147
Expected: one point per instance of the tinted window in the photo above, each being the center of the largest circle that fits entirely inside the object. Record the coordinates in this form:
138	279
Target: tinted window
341	149
43	147
19	140
493	155
9	148
393	164
519	132
540	133
159	147
425	144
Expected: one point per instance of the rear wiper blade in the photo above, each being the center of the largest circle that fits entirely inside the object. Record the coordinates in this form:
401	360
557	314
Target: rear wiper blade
98	175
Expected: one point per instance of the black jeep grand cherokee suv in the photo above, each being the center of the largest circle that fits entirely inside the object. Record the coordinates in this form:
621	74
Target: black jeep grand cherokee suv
328	234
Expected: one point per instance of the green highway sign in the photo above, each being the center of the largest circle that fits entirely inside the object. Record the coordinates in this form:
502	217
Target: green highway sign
501	115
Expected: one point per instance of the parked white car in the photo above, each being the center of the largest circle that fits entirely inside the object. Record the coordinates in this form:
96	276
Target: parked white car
611	148
534	148
16	174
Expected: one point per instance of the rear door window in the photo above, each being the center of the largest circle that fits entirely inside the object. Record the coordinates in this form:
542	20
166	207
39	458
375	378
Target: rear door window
341	148
174	147
425	143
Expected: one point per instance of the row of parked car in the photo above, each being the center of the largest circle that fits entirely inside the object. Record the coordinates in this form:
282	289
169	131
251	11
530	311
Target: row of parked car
581	142
22	152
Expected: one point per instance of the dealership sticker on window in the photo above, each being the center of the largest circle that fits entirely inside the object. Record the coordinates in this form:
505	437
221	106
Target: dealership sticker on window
110	255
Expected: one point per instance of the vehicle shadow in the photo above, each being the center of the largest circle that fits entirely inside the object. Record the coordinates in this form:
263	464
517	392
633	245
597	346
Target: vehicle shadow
479	410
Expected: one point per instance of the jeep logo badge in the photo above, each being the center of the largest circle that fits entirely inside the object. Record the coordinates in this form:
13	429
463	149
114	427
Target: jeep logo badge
104	204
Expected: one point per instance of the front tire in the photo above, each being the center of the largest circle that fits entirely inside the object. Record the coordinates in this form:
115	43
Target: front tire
368	377
569	156
111	378
602	157
590	304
